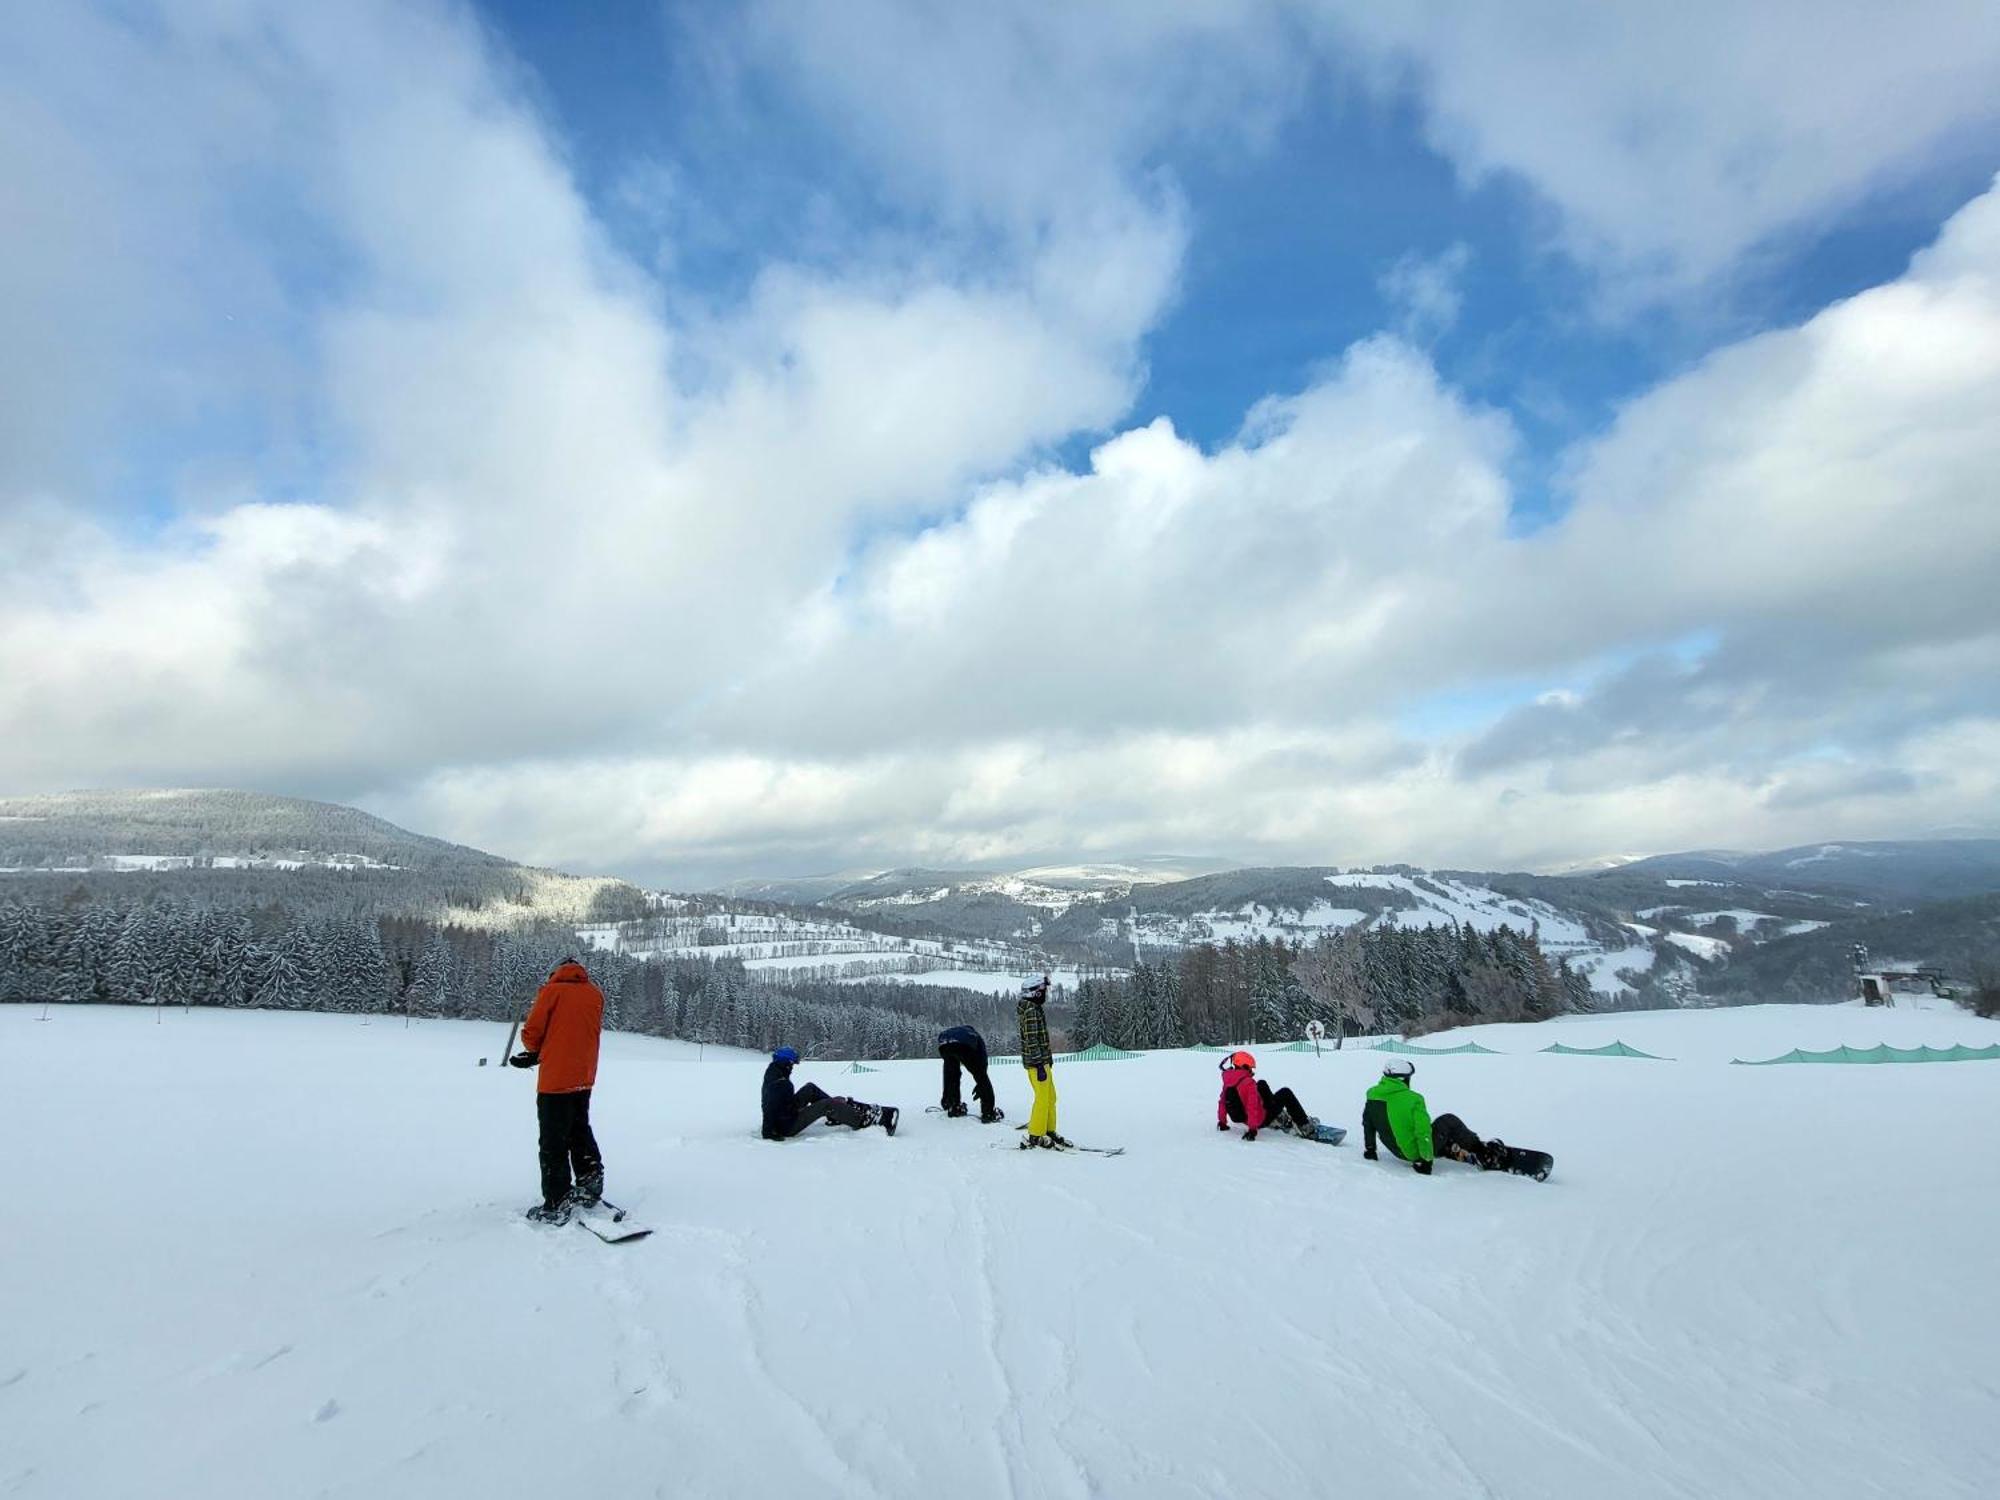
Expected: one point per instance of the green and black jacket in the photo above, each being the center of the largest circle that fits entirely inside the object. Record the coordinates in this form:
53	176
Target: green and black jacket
1396	1113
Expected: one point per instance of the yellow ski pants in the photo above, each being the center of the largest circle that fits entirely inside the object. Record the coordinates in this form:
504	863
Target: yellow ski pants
1042	1118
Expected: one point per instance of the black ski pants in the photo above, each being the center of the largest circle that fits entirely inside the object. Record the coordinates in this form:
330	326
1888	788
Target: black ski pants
567	1143
1450	1135
813	1103
1282	1104
960	1056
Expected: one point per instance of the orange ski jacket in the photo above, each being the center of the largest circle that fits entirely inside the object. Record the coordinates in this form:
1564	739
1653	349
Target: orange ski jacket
563	1027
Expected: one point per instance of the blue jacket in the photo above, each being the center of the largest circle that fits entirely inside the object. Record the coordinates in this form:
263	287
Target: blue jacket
779	1107
962	1036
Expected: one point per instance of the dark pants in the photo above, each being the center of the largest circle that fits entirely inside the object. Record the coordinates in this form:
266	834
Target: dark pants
814	1104
1282	1104
957	1055
567	1143
1449	1136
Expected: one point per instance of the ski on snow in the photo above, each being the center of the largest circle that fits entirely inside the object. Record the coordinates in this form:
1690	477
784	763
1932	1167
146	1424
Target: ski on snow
1089	1150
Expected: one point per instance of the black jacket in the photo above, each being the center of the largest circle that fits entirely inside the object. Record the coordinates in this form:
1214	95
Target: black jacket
964	1041
779	1108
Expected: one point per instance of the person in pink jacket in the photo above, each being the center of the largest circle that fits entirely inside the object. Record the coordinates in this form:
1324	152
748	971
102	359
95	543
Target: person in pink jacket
1251	1102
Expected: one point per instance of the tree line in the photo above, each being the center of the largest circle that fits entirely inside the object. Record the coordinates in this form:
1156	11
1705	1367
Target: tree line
1354	981
166	953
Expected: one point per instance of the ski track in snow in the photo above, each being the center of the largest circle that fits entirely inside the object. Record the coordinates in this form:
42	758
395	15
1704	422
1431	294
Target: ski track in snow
1708	1298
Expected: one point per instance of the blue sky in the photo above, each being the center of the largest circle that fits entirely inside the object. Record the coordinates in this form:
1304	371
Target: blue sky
1290	238
695	440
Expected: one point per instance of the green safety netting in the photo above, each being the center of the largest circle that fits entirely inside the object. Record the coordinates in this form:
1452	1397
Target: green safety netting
1202	1047
1102	1052
857	1068
1615	1049
1302	1047
1393	1045
1882	1053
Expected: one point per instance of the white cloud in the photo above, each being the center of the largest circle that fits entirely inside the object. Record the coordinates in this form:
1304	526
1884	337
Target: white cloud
588	584
1426	291
1673	140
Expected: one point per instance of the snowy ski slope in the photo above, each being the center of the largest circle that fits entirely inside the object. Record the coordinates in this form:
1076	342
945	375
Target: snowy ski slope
280	1255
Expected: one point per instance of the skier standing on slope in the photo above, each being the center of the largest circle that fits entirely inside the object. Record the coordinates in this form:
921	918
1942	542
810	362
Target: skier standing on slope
964	1049
1396	1113
1040	1062
560	1038
1251	1102
788	1111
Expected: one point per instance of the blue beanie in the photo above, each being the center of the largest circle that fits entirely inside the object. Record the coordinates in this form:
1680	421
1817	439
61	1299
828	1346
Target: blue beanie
785	1055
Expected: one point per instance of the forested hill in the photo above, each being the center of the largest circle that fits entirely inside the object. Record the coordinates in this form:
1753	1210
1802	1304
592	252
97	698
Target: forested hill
234	849
76	828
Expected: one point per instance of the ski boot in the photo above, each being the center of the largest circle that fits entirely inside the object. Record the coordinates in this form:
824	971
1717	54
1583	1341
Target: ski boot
549	1213
991	1116
589	1190
1030	1142
886	1116
1494	1157
1058	1143
954	1111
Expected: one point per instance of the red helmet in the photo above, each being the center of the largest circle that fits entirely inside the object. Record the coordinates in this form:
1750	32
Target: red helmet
1243	1060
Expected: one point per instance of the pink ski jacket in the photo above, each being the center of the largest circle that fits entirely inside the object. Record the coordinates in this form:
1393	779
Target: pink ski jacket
1244	1083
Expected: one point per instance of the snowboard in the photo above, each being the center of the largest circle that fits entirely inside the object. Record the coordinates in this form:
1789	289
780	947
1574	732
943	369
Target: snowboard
1331	1135
1525	1163
608	1222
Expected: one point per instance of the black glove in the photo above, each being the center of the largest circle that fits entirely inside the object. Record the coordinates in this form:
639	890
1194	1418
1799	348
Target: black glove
1221	1124
1421	1168
1368	1156
524	1059
1041	1073
1249	1135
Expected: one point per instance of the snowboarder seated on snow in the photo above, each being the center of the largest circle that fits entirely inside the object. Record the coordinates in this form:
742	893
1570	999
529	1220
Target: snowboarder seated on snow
1250	1101
1396	1113
788	1111
560	1038
964	1049
1040	1061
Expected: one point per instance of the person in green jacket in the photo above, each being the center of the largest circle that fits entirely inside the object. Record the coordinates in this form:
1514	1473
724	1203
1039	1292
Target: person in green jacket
1396	1113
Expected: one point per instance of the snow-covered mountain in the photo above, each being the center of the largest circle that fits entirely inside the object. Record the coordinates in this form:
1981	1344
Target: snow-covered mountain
218	845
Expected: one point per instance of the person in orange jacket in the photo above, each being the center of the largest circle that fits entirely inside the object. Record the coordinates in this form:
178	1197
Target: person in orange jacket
560	1037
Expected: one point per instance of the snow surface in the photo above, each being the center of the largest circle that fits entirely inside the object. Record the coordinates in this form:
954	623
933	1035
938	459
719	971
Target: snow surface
1436	900
1603	967
277	1254
1257	920
1701	947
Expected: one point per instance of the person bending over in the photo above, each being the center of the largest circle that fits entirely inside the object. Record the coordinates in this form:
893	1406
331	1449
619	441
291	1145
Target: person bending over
964	1051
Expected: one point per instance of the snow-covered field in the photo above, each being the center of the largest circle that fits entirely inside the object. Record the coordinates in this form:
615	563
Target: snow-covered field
276	1254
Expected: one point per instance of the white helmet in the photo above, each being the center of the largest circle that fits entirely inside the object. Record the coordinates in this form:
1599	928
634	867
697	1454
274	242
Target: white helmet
1398	1067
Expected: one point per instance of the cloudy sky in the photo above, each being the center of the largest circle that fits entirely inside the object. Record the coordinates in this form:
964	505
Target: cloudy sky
693	440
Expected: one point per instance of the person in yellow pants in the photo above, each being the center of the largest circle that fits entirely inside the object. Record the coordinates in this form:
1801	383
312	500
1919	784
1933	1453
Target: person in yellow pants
1040	1061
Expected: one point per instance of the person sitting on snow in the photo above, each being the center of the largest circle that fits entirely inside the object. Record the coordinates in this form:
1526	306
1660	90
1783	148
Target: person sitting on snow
1250	1101
788	1111
1396	1113
964	1050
